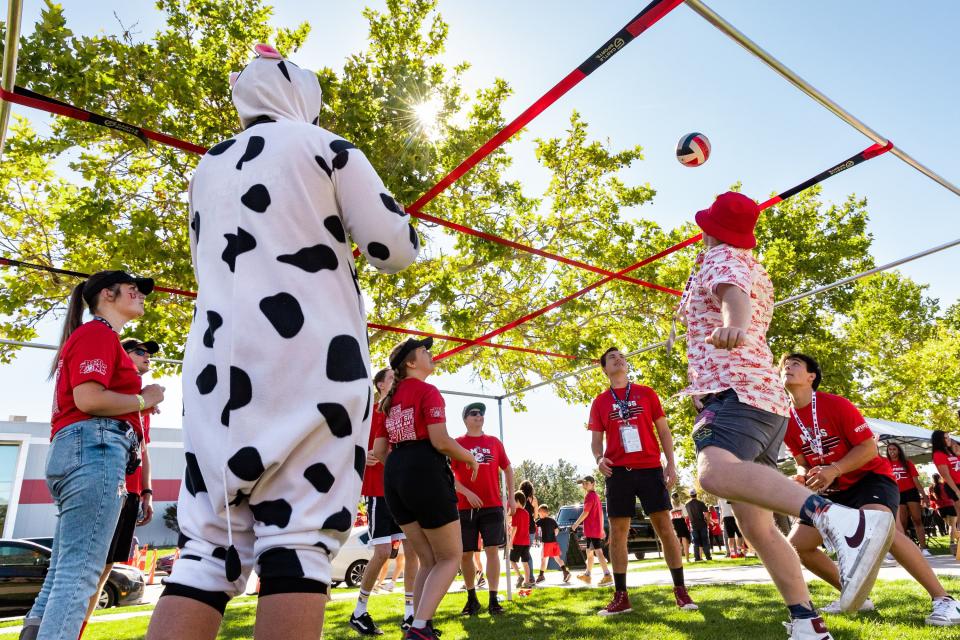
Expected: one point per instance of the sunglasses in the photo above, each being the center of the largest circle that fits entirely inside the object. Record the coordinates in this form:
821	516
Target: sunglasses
474	413
140	352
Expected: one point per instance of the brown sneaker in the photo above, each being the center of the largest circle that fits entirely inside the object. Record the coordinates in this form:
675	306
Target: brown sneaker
619	604
606	581
584	577
566	576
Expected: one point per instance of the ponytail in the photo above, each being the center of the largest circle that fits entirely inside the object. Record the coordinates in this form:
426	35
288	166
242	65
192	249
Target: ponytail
387	400
73	320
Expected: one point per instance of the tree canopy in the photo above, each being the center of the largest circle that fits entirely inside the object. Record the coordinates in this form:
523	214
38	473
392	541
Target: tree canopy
84	198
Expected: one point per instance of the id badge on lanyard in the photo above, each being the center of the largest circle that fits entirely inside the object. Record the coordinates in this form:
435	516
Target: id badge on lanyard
630	438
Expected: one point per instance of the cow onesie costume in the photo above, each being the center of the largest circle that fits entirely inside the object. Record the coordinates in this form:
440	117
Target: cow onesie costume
276	386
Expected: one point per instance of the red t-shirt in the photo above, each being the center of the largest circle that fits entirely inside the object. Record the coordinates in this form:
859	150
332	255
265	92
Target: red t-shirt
492	457
645	409
416	405
841	429
904	472
521	520
593	523
135	479
373	476
952	461
92	353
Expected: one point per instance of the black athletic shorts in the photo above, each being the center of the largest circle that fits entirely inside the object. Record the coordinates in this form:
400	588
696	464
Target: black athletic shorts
122	541
520	553
680	528
911	495
594	543
626	485
418	484
947	512
870	489
730	525
487	523
751	434
383	528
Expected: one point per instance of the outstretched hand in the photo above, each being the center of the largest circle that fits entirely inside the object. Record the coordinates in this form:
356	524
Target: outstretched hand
727	337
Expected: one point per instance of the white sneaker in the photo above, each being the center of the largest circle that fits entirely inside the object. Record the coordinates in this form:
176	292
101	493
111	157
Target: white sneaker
808	629
860	539
926	553
946	613
834	607
889	557
387	585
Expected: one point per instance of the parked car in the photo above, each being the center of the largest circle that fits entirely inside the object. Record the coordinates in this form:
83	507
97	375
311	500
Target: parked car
23	565
165	563
640	540
354	555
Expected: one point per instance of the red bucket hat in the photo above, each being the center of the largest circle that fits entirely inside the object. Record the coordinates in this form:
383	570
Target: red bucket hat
731	219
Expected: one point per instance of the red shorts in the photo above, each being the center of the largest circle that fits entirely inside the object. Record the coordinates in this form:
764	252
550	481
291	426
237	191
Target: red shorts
551	550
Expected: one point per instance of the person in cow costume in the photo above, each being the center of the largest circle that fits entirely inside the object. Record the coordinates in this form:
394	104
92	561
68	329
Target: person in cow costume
276	384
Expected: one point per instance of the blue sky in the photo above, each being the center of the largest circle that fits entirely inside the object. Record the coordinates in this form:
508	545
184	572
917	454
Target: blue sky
892	67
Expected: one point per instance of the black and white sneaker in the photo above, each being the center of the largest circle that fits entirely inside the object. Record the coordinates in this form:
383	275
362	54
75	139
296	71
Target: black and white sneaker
407	623
472	608
495	608
364	625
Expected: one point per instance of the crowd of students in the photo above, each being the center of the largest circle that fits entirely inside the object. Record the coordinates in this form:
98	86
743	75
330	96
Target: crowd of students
278	450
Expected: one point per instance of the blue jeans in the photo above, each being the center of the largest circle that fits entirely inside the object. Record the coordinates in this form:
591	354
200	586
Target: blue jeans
85	475
701	540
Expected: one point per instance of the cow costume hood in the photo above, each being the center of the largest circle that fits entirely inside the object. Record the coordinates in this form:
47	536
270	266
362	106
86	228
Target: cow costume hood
274	88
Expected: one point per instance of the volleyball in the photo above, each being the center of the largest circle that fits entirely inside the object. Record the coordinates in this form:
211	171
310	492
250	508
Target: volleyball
693	149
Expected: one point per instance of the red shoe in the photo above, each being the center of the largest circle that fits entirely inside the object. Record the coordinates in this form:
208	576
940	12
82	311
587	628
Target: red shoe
684	601
619	604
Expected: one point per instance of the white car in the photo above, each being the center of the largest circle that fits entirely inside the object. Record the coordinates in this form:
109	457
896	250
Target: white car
354	555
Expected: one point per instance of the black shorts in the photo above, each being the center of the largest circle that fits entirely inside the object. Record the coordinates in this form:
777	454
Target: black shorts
594	543
418	484
751	434
383	528
520	553
680	528
730	525
951	493
947	512
626	485
122	541
910	495
487	523
870	489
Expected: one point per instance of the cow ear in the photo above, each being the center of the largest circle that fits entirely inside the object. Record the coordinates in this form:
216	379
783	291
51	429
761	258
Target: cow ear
266	51
233	78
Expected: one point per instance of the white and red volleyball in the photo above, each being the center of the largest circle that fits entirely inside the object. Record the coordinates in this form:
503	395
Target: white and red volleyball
693	149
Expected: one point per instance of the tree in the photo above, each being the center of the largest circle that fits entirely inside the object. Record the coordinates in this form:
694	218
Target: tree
170	518
122	204
554	484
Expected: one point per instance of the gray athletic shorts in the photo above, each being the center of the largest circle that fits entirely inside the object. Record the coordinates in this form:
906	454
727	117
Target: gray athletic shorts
751	434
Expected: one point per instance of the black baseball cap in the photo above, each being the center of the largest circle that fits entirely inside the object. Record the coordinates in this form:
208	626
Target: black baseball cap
104	279
149	346
475	406
409	345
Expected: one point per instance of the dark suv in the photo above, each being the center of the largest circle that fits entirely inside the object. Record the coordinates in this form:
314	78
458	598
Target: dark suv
640	540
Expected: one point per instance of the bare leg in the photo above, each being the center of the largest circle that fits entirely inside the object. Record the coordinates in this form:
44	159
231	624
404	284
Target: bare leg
411	566
290	615
493	567
96	596
379	561
668	538
589	561
441	550
178	618
917	516
723	474
619	528
399	564
468	568
603	562
777	555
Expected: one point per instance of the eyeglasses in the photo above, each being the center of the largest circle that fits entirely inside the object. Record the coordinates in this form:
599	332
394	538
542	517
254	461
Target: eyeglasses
474	413
141	352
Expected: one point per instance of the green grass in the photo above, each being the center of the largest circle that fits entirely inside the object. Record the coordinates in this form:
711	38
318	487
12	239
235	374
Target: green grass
727	613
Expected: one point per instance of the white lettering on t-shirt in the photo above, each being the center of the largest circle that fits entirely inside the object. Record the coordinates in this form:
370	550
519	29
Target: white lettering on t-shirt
400	425
96	365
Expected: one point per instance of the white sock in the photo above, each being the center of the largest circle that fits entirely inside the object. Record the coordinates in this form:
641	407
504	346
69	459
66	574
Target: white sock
419	624
408	604
361	607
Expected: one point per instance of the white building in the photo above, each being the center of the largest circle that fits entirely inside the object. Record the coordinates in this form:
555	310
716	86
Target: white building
26	507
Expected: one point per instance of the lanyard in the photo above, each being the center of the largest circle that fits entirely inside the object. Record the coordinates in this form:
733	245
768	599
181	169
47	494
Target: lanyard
99	319
623	408
815	443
